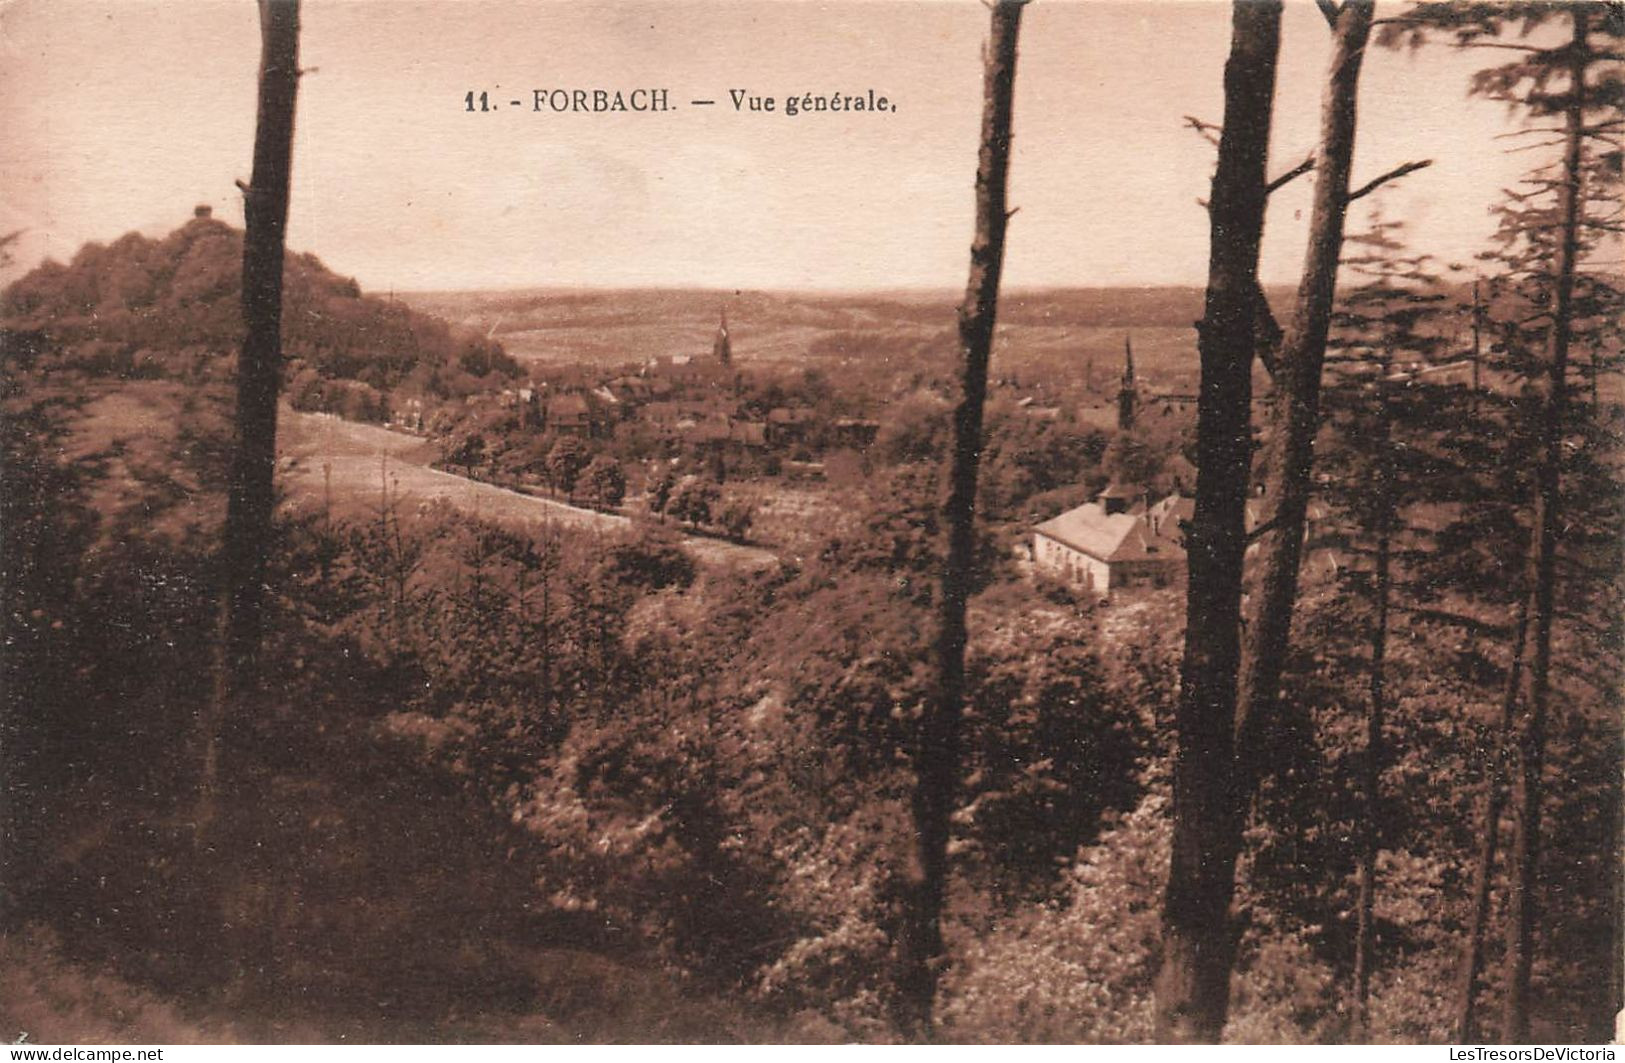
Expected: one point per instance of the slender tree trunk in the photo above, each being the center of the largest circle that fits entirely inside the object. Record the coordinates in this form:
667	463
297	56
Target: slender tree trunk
1193	984
1297	413
250	498
1375	752
1371	828
937	753
1472	959
1543	561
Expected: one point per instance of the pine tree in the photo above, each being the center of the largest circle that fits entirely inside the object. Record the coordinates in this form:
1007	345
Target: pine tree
1544	305
1381	410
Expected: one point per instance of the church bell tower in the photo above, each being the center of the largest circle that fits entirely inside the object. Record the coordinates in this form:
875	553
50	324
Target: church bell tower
1127	396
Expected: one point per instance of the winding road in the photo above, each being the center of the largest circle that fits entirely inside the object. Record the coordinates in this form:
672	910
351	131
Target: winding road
350	464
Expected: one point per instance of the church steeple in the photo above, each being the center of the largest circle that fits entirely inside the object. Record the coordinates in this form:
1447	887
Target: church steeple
722	349
1127	396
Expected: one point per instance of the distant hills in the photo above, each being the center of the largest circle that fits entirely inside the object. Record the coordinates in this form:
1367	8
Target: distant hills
168	306
1053	333
514	310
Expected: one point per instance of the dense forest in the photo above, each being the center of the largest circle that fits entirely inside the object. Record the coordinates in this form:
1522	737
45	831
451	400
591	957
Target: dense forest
388	768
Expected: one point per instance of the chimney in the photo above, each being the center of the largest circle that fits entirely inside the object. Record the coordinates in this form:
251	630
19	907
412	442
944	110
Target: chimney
202	210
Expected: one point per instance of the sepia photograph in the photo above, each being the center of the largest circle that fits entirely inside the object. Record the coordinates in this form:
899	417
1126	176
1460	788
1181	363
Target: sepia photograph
894	522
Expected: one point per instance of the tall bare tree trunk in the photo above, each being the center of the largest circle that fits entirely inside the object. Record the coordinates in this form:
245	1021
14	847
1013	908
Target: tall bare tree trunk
250	499
1472	957
1542	576
937	752
1297	380
1193	985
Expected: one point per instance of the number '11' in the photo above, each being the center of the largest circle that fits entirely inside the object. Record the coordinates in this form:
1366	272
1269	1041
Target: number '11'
468	101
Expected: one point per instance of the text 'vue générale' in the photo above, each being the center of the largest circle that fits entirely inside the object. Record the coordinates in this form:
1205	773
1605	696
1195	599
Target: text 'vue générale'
663	100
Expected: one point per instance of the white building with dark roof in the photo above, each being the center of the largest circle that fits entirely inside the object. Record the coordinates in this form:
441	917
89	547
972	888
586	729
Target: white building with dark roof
1123	539
1119	540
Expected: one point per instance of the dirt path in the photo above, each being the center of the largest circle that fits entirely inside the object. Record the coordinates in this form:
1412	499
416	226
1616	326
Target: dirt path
322	454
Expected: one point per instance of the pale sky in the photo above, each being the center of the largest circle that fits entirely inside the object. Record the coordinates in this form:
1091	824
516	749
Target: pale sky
122	114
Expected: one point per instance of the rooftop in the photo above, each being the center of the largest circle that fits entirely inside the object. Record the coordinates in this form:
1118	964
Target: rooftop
1143	535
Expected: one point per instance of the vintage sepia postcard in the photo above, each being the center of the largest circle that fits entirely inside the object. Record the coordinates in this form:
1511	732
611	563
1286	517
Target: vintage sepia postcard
811	521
